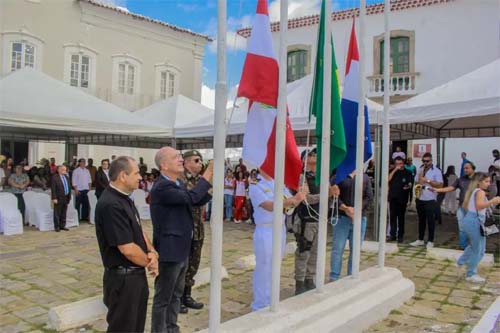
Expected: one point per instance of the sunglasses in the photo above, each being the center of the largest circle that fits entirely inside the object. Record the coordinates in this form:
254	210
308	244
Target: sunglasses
426	161
197	160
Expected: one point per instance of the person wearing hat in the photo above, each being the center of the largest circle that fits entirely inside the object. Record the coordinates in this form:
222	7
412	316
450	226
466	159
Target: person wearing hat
193	165
305	226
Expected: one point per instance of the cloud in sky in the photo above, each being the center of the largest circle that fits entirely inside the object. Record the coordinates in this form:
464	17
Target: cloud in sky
234	41
208	96
296	8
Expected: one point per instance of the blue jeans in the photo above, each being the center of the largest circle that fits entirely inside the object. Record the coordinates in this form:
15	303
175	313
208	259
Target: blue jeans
462	237
228	205
342	232
474	251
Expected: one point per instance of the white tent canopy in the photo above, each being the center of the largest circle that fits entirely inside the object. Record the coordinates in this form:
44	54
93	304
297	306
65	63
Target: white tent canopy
471	101
299	95
33	100
177	113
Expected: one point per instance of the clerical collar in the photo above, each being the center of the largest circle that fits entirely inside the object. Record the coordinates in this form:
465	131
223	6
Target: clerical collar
118	190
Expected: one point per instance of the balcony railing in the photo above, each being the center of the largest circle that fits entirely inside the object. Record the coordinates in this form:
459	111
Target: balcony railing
400	84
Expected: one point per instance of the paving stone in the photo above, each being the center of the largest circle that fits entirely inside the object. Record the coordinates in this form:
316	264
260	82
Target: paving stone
463	293
8	319
460	301
452	314
16	328
31	312
433	297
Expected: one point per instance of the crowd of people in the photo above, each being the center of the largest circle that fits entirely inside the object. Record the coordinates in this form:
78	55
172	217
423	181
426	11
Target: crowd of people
179	194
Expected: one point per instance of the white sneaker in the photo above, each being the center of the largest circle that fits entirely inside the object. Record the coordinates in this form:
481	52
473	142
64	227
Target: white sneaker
237	221
475	279
430	245
418	242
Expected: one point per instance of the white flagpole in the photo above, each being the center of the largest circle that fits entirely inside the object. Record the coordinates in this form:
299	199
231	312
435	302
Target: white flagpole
279	163
218	178
360	146
325	151
385	139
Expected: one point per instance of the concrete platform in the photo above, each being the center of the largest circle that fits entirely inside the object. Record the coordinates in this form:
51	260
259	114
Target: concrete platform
489	319
347	305
372	247
453	255
72	315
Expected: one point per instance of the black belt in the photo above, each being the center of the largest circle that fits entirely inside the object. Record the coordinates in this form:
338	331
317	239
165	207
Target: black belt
122	270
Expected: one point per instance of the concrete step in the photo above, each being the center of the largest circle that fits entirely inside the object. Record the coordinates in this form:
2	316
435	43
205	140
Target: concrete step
347	305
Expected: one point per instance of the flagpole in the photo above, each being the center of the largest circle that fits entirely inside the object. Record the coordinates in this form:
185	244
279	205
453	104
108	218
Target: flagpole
279	162
218	178
325	151
360	146
385	139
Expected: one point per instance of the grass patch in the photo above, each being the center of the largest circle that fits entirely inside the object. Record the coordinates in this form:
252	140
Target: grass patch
475	299
396	312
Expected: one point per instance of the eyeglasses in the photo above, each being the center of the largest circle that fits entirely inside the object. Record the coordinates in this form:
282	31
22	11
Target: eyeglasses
426	161
197	160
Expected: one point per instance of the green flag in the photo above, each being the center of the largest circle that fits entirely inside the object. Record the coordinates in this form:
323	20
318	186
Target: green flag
337	141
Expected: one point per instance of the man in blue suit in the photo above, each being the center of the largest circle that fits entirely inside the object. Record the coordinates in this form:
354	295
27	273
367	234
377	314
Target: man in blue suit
171	213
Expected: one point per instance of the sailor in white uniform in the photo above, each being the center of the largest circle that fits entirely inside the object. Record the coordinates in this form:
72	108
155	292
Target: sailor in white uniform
262	197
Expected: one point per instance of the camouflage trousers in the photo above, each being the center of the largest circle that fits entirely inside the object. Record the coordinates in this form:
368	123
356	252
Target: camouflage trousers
306	253
194	261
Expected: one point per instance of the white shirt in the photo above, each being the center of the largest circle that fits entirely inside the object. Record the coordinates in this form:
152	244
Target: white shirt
2	175
400	154
261	192
106	172
229	182
81	179
240	189
434	175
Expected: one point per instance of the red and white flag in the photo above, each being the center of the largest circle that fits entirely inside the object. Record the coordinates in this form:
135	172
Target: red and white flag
259	83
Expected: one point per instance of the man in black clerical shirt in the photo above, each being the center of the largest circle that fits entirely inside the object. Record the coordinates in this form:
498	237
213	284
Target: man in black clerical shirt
125	250
400	183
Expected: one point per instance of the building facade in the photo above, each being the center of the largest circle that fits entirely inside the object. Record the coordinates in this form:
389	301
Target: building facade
432	42
127	59
124	58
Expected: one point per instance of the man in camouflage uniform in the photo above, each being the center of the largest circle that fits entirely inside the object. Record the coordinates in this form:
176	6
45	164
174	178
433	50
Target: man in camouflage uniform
305	227
193	165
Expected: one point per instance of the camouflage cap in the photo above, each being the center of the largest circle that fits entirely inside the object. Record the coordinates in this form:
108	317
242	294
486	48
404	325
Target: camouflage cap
190	153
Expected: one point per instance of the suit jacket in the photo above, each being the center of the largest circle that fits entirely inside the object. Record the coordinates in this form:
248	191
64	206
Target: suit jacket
172	217
101	181
57	189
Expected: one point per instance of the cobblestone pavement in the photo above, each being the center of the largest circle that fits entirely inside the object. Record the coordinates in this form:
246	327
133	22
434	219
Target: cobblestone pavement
39	270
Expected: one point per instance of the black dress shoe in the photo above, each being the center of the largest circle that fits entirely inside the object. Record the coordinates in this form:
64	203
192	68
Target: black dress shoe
65	229
191	303
57	230
183	309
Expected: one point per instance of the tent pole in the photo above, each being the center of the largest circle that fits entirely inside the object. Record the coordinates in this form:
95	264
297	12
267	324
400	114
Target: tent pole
218	178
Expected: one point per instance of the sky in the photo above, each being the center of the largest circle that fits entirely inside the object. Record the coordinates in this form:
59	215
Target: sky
201	16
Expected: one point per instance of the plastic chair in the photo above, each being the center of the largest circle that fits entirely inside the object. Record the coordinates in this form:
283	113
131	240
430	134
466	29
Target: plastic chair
11	220
93	203
139	198
29	210
44	214
72	214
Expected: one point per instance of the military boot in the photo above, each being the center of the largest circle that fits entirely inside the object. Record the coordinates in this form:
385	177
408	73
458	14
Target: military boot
189	302
183	309
299	287
309	284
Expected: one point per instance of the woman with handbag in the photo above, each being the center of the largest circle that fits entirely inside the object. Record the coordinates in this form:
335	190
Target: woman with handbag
475	204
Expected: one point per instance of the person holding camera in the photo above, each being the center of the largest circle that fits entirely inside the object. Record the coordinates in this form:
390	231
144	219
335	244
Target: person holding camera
400	181
428	178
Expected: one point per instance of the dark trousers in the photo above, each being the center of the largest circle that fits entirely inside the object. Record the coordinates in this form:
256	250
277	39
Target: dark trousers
126	297
60	209
426	217
20	204
397	211
82	202
193	263
169	286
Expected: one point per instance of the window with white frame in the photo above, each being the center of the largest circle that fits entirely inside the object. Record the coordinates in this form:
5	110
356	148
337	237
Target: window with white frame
80	69
23	55
126	78
167	84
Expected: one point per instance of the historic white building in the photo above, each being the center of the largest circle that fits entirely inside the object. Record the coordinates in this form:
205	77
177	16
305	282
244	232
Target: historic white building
124	58
432	42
